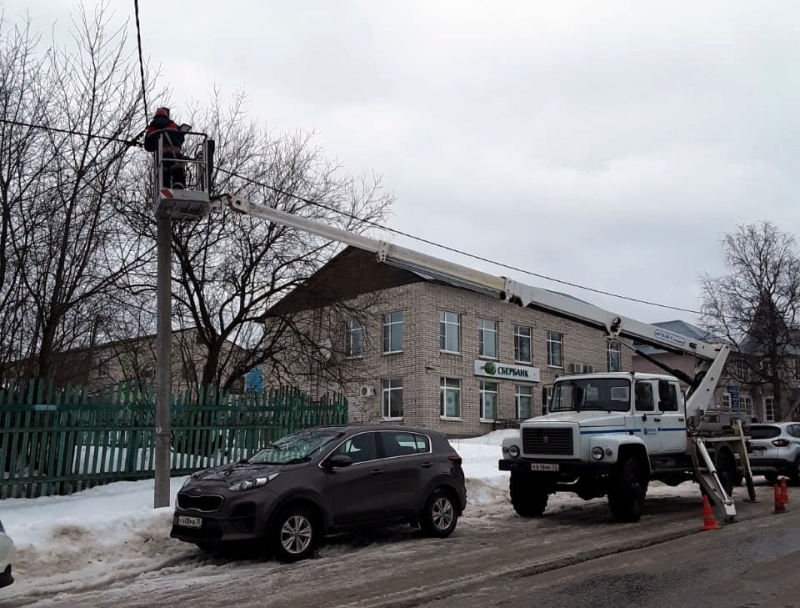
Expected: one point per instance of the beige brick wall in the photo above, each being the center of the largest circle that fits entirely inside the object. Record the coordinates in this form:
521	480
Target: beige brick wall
421	365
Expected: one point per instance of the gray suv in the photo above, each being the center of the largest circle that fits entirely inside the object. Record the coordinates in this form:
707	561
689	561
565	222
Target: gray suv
776	449
319	481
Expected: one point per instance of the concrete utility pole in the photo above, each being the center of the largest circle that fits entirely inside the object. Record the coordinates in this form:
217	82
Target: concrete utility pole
163	361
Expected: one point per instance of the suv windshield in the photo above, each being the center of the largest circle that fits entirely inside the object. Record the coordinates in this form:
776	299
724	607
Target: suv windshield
607	394
296	447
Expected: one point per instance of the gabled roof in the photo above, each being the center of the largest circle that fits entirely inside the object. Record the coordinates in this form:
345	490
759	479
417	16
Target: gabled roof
356	271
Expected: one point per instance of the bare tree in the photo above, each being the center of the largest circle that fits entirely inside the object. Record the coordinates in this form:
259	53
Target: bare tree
755	307
234	267
69	248
23	158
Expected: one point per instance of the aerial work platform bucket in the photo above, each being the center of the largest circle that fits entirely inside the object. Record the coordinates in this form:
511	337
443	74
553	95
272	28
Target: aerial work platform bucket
189	199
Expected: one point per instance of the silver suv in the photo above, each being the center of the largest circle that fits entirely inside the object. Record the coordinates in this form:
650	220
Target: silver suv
776	449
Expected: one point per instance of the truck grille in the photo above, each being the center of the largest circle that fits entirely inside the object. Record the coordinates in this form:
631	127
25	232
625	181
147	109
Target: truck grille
557	442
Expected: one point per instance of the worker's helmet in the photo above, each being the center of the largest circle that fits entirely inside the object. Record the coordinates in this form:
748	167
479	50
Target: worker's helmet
162	112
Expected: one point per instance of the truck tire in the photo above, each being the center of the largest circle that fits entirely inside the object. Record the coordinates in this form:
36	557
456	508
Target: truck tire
627	490
528	497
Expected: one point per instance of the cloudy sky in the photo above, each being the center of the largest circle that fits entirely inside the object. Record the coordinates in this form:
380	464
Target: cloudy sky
609	144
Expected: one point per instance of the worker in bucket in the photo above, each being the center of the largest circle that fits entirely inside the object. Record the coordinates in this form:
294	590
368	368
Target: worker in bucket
173	173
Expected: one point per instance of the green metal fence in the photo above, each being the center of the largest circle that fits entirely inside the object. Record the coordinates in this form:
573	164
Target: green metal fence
61	440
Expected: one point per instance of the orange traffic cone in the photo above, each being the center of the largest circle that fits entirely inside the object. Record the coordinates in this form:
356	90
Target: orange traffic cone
779	506
709	523
784	492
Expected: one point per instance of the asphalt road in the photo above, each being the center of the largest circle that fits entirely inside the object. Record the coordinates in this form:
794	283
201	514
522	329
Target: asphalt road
576	557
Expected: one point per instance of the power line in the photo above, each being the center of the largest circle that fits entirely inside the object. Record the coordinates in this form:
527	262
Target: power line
141	61
18	123
376	225
454	250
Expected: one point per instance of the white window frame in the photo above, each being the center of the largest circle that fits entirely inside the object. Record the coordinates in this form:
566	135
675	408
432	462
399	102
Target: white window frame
742	370
612	349
727	402
769	408
487	336
488	390
519	336
446	386
746	404
551	340
449	321
391	320
519	395
390	387
354	327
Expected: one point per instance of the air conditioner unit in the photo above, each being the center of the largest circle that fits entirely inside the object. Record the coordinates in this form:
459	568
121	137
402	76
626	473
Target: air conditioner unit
366	391
575	368
588	369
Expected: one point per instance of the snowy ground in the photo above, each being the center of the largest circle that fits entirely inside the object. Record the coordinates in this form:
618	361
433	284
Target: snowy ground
112	533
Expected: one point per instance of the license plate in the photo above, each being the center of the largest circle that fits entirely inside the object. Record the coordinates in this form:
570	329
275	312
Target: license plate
190	522
542	466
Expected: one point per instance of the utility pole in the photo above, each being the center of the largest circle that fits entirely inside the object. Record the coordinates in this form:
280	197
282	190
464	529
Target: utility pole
184	204
163	360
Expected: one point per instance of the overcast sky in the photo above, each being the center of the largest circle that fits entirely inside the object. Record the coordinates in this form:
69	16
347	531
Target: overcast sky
609	144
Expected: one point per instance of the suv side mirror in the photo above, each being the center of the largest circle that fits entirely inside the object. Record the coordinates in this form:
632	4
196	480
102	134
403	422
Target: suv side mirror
338	461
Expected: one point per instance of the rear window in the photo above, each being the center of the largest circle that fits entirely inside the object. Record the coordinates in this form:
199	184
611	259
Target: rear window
764	432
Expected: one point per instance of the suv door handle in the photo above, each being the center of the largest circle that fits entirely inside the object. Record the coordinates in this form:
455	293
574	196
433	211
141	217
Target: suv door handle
680	418
376	471
657	419
426	465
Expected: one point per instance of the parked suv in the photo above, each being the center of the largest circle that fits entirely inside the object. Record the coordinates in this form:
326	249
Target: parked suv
318	481
776	445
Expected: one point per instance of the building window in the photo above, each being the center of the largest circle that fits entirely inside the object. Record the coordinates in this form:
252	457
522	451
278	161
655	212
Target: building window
746	405
523	399
355	339
766	369
727	402
769	409
449	332
613	355
487	338
555	349
392	398
450	398
488	392
393	332
742	370
522	344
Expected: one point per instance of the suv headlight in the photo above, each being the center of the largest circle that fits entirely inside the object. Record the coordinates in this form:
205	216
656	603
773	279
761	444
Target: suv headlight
249	484
597	452
513	451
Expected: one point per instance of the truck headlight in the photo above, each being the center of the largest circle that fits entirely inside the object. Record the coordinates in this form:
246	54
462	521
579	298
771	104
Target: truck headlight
513	451
597	452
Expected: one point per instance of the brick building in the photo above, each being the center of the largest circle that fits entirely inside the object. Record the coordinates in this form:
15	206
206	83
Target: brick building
430	350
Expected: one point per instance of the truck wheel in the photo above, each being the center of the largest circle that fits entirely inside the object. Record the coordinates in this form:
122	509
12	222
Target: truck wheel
627	491
528	497
726	469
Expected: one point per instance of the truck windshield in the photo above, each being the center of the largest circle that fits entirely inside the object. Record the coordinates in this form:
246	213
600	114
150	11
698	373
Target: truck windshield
606	394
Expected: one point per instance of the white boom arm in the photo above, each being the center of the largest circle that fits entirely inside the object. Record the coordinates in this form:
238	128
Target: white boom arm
614	325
